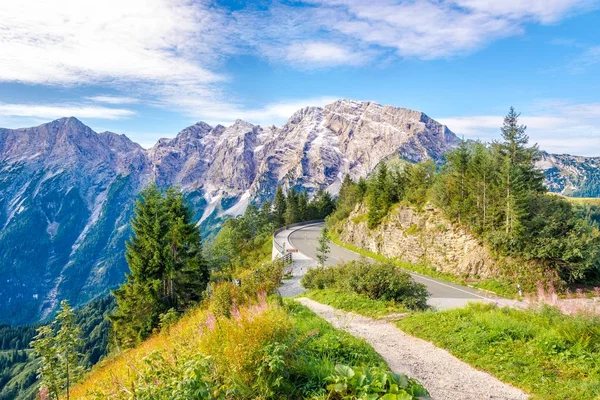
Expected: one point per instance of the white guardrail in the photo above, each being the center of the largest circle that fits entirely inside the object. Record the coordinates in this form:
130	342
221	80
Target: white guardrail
280	251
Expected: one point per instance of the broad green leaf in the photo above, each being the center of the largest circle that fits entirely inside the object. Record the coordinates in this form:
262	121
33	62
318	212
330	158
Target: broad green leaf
344	370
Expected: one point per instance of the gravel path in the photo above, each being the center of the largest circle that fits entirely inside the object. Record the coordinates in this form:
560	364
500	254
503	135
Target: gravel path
442	374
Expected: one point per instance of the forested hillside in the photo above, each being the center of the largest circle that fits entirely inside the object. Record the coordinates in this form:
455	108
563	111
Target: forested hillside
18	363
495	191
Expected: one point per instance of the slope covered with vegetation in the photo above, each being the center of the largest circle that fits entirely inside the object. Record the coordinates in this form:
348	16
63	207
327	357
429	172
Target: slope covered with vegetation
238	339
19	364
551	355
496	192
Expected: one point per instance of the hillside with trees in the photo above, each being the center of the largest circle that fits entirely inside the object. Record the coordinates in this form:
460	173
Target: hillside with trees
496	192
19	364
238	339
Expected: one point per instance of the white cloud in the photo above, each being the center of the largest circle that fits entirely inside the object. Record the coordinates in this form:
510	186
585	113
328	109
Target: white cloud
113	99
557	126
64	110
429	28
135	45
171	52
590	57
271	114
320	54
544	11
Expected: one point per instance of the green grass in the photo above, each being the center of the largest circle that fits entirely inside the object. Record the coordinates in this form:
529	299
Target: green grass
549	355
353	302
324	347
499	288
594	201
328	343
491	285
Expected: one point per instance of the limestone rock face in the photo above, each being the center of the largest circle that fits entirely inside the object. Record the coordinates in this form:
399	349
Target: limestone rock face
316	148
423	237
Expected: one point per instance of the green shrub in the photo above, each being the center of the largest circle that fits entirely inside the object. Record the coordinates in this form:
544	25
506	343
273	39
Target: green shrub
223	296
373	383
167	319
380	281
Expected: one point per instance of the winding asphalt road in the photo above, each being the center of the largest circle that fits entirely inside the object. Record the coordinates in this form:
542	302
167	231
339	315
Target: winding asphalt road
444	295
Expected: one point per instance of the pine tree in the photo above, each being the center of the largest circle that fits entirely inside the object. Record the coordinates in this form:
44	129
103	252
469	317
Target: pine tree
420	178
68	342
266	213
167	269
303	210
186	273
279	205
399	185
482	171
456	178
291	207
379	197
323	248
519	175
347	194
362	188
57	345
322	205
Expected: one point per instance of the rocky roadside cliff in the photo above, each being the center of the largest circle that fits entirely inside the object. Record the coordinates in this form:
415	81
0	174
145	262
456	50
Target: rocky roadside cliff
427	238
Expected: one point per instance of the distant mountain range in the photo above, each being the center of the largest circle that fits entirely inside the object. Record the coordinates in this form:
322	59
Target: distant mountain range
573	176
66	192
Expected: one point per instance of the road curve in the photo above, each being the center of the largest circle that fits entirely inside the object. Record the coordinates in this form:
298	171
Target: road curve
444	295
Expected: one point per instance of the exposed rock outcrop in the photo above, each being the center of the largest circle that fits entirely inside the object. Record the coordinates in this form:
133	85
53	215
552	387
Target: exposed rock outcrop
422	237
427	238
571	175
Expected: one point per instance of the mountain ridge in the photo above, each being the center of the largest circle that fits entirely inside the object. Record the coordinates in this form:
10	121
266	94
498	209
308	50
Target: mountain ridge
71	190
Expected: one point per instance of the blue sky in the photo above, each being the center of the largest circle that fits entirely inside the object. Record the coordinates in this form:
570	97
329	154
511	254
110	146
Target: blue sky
149	68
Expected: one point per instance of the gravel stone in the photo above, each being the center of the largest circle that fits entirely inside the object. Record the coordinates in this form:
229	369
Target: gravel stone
442	374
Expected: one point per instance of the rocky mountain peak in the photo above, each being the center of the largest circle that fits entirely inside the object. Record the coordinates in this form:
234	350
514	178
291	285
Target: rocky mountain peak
119	142
65	141
193	132
303	113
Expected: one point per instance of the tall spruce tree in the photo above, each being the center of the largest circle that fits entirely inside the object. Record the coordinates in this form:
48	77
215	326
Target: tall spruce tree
186	270
279	206
166	267
519	175
292	211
